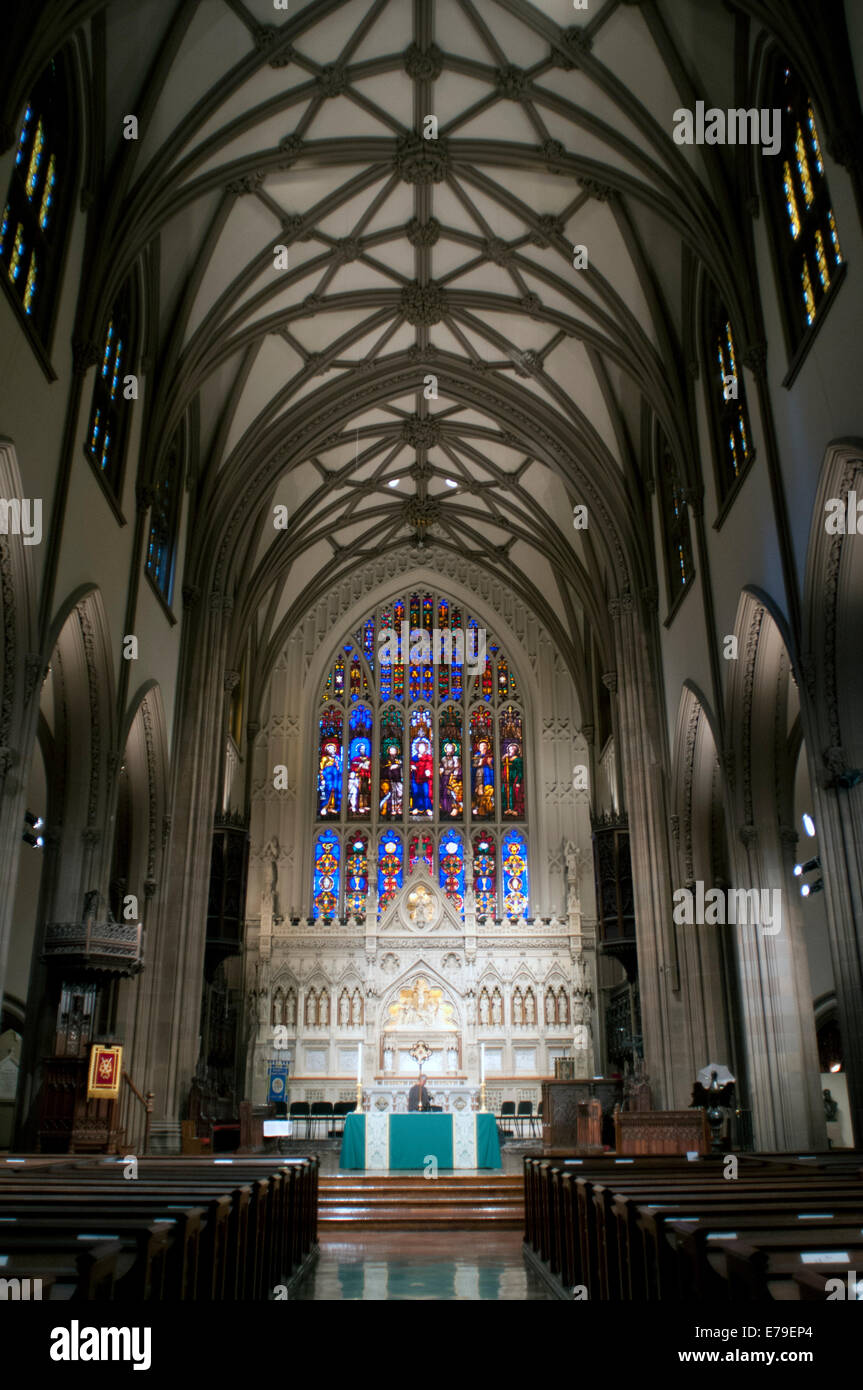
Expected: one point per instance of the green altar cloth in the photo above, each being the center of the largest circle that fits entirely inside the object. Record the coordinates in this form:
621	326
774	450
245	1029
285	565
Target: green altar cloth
408	1141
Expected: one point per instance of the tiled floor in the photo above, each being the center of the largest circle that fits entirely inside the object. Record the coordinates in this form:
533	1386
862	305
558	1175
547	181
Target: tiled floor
383	1265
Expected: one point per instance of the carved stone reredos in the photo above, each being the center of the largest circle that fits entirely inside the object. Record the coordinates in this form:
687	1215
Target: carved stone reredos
420	907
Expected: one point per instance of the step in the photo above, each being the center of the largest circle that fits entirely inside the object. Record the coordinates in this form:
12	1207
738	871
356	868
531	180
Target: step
382	1202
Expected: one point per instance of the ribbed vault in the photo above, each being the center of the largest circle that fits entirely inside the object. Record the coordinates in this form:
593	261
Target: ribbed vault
428	356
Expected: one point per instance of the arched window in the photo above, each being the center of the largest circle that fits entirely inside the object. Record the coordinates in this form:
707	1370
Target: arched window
674	519
165	519
421	736
32	231
805	237
111	408
726	398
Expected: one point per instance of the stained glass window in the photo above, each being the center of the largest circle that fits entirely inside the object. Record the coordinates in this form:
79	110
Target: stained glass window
110	411
452	868
326	889
421	850
484	875
674	514
390	868
330	764
804	225
511	764
165	518
482	765
514	873
422	763
392	765
727	398
420	772
360	764
32	240
451	804
356	874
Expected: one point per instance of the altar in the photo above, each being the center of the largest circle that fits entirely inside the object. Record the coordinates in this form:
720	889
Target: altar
407	1142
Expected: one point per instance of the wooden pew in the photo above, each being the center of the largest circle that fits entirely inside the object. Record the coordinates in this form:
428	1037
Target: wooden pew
77	1270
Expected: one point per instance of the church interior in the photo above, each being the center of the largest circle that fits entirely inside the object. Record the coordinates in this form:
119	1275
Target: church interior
430	729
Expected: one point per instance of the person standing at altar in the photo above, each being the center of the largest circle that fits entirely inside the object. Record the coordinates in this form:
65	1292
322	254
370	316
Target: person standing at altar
418	1096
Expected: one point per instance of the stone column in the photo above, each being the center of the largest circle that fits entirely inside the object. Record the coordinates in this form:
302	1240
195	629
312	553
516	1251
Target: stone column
642	763
172	985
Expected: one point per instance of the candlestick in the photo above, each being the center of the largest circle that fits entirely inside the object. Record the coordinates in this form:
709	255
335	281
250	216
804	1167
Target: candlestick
482	1064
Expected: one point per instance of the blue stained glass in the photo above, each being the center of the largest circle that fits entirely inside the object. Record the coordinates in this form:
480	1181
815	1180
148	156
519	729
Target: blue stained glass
452	868
356	874
25	132
326	881
515	873
390	868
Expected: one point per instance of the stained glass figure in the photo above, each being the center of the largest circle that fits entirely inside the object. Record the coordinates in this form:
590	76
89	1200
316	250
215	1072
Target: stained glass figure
511	764
326	884
452	868
356	874
443	670
390	868
482	764
456	675
330	764
422	763
356	678
515	876
484	875
451	772
421	847
391	801
360	764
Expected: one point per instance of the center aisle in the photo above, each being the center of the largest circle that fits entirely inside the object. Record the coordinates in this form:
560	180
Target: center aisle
440	1265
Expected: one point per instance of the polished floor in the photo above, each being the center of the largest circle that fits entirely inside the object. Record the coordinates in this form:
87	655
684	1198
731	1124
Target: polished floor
440	1265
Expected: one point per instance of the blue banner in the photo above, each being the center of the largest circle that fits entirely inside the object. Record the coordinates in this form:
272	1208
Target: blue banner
278	1088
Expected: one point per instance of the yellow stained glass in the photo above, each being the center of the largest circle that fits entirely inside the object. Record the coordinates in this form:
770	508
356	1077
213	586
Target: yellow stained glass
32	180
803	168
743	439
731	353
17	253
814	142
823	268
94	436
834	237
48	194
791	201
732	444
30	287
4	227
808	295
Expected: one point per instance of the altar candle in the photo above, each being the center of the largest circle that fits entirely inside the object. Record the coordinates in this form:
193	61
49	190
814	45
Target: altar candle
481	1063
359	1065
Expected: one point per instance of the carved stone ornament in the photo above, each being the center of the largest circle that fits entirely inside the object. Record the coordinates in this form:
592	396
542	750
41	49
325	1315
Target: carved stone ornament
421	161
596	188
548	226
423	64
421	434
247	183
421	233
332	80
510	82
423	304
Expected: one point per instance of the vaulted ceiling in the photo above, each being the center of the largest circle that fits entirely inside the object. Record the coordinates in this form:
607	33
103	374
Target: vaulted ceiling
427	361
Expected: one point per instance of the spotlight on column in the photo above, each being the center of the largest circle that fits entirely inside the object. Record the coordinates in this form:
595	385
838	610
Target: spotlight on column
800	869
808	824
35	823
807	889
